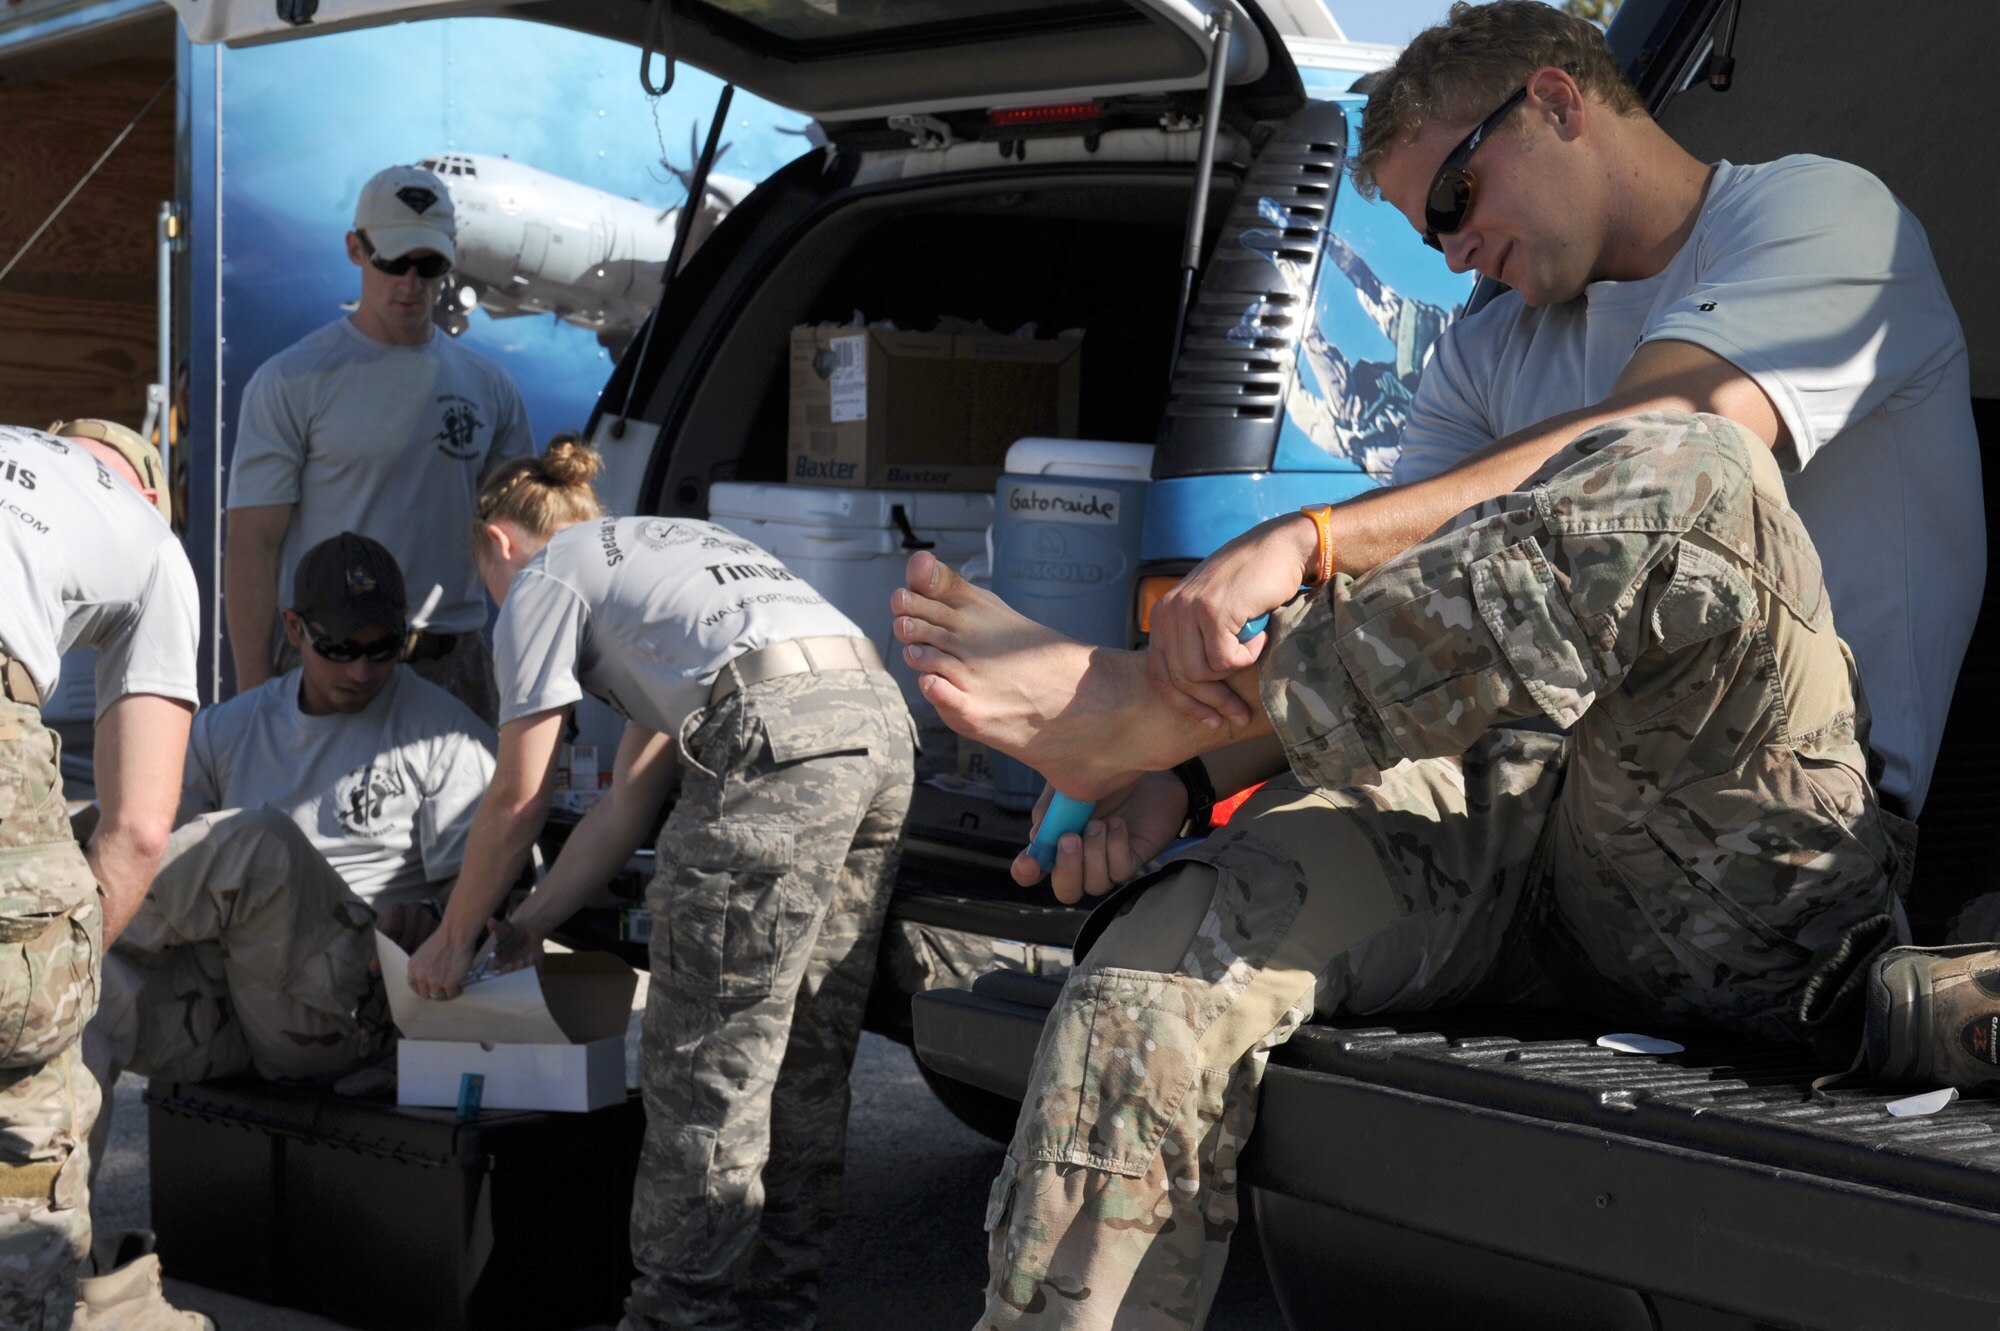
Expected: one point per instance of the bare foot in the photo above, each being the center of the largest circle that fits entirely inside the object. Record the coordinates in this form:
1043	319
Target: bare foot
1085	717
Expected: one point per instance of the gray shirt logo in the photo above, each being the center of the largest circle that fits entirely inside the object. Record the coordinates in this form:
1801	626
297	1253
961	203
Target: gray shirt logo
364	795
458	439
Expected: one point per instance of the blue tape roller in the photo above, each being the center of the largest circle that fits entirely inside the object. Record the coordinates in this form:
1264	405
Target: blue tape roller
1066	815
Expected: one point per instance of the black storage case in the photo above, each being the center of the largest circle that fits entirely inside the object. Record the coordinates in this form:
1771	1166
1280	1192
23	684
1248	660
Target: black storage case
393	1218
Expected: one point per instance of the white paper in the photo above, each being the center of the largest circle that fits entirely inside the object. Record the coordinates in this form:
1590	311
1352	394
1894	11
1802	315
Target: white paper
1928	1103
849	380
1626	1043
507	1009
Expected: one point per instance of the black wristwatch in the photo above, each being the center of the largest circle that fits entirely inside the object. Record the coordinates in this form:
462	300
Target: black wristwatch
1194	779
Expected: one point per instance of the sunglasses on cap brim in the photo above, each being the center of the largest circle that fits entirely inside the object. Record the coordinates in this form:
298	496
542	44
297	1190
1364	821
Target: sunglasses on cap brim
1452	188
428	267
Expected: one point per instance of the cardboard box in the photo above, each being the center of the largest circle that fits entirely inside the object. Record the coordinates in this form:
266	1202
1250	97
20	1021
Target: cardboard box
589	997
922	411
579	782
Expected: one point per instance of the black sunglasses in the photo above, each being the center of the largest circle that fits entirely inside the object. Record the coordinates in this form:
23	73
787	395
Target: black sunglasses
1450	198
428	267
380	652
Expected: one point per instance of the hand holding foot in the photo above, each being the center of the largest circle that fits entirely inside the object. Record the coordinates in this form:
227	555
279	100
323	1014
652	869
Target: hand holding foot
1196	639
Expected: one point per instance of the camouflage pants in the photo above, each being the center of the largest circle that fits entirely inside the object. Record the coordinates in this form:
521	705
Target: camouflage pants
465	672
1703	833
51	937
774	876
249	952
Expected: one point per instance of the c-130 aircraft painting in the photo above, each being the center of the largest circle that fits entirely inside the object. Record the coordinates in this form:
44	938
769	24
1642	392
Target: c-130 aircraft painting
534	243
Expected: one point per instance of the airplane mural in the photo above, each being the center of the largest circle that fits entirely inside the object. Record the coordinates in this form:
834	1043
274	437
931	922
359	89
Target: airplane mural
530	242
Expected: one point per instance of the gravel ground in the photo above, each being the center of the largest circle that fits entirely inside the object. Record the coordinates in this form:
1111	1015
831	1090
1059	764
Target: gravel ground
912	1255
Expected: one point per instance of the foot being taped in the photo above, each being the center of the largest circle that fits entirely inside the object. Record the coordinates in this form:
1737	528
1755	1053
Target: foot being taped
1066	815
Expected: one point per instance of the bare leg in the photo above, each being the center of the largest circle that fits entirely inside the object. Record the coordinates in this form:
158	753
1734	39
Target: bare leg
1086	718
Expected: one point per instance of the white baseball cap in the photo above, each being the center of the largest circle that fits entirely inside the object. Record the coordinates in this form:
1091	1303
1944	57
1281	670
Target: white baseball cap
406	208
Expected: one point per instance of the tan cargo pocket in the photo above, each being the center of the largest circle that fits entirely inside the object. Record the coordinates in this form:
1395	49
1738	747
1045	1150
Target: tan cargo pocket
794	736
1000	1197
1120	1057
1523	609
48	983
722	909
1706	599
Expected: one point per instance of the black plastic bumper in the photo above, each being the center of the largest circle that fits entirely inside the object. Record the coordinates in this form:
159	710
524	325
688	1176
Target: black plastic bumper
1705	1180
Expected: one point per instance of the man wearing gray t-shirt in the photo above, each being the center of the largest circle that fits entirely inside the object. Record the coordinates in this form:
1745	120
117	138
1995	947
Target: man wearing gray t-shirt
342	790
375	424
1607	525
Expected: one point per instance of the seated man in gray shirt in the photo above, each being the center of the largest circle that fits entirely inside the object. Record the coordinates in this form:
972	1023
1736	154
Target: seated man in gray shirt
341	789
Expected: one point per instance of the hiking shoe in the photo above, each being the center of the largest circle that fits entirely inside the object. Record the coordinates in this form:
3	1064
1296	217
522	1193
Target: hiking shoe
129	1297
1934	1015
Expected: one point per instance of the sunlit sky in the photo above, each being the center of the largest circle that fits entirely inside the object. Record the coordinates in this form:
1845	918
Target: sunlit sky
1392	21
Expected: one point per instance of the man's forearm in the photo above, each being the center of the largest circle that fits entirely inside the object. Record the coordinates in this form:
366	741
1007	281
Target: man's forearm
1667	375
1381	524
250	599
123	860
251	602
140	742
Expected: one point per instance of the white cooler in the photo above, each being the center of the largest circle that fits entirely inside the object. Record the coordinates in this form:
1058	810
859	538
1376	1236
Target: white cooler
851	545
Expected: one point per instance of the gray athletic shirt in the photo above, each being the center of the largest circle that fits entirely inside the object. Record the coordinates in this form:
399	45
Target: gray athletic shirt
642	613
387	794
387	441
87	562
1808	276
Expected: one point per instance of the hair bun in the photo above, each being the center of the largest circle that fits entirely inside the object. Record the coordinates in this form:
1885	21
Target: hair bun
569	462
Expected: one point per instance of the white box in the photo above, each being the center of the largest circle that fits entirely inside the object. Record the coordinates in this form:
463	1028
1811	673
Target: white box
518	1076
590	996
850	546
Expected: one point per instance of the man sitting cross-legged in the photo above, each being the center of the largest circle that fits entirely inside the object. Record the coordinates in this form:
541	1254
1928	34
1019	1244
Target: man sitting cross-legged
1565	714
340	792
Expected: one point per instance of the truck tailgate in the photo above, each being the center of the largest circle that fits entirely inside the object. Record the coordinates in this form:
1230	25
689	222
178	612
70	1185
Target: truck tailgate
1707	1177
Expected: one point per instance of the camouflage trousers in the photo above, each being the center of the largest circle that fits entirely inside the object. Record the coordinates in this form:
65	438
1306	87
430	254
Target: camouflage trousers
774	875
249	953
1703	832
465	672
51	938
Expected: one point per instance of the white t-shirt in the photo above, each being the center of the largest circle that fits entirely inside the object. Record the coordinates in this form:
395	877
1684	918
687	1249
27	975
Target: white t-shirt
1809	276
387	794
642	613
86	562
386	441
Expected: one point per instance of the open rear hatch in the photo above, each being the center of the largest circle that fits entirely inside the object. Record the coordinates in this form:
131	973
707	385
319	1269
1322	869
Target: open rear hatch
856	60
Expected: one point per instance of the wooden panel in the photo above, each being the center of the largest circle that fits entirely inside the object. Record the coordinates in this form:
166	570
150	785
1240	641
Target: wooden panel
77	315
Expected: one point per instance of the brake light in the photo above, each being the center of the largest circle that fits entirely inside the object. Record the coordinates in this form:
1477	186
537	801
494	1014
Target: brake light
1150	592
1055	113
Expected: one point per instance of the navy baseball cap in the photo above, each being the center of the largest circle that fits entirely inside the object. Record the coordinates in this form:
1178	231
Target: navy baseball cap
348	582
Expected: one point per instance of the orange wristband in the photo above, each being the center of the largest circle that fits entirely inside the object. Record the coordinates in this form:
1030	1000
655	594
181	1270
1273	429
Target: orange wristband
1322	516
